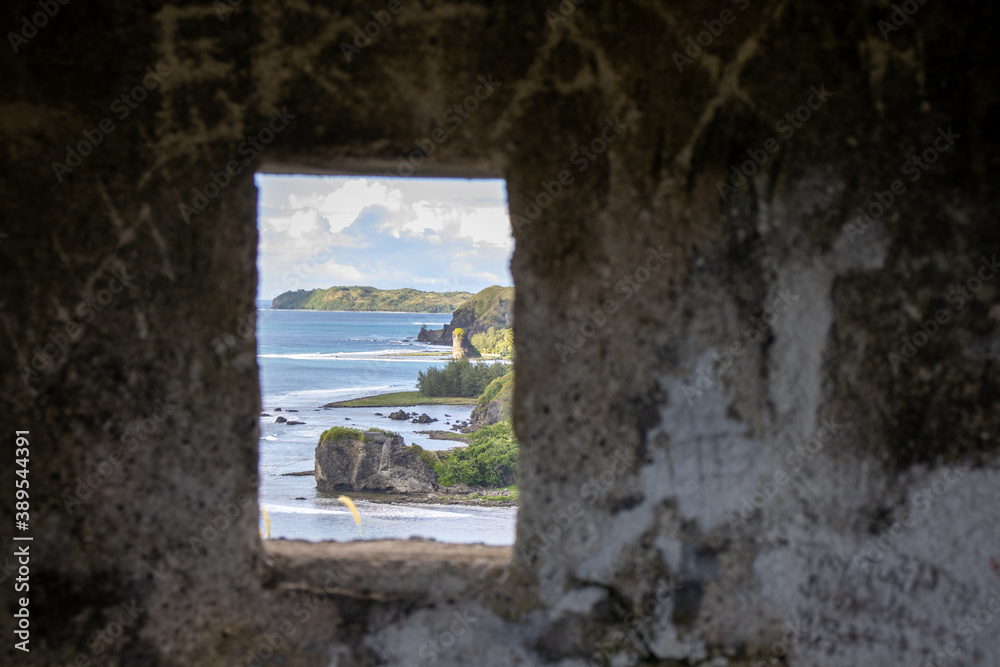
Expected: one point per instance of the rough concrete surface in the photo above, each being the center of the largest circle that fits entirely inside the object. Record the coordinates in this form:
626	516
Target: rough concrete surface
755	425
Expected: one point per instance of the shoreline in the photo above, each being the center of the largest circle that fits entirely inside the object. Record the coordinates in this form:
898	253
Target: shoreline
434	498
383	312
401	399
479	497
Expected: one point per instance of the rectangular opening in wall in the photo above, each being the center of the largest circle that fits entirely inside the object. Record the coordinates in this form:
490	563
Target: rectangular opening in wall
384	318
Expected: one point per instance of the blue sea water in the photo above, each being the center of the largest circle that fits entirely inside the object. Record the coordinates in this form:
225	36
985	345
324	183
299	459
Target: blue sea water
310	358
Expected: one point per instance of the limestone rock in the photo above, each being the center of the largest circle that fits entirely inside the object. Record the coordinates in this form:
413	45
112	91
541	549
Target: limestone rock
435	336
498	406
375	462
424	419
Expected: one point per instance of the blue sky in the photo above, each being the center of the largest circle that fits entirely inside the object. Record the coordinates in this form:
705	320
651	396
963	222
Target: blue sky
429	234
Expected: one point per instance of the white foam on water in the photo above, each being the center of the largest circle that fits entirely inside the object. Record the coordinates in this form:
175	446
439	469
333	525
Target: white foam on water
287	509
409	511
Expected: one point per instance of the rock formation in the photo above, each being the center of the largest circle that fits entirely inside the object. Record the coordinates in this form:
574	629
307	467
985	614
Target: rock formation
491	307
494	404
435	336
374	461
424	418
461	346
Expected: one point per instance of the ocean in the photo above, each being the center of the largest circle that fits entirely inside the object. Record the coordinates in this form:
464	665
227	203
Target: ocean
310	358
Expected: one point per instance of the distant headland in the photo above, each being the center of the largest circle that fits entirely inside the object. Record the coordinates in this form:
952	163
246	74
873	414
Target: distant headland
370	299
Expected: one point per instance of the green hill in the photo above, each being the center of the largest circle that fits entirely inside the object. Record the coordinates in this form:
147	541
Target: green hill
370	299
492	308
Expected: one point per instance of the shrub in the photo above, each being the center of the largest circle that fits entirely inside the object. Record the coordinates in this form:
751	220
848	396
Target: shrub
494	388
490	460
495	341
341	433
459	378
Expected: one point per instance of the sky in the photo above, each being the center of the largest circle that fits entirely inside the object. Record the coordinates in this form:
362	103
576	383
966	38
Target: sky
434	235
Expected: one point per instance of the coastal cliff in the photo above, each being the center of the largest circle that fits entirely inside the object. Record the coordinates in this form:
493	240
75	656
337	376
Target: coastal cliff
372	461
494	404
492	307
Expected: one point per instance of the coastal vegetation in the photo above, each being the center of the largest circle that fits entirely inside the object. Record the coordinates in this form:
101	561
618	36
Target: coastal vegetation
364	298
490	456
402	399
459	378
489	460
507	494
491	308
495	341
494	388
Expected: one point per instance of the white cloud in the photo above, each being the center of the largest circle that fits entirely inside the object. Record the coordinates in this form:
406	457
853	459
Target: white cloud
441	234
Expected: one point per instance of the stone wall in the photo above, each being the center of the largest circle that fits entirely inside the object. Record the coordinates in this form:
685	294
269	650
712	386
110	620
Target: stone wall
755	424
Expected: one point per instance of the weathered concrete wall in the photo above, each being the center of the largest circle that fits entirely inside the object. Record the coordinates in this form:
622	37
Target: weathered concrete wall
741	459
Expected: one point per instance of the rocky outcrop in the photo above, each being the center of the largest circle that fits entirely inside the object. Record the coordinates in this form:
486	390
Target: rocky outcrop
461	347
424	418
399	415
435	336
491	307
494	404
373	461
